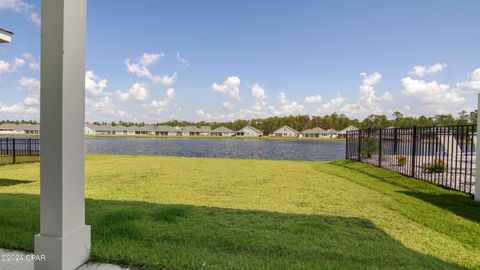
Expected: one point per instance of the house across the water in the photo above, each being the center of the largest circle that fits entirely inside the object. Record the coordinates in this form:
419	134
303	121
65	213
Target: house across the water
11	128
314	133
188	131
343	133
286	131
222	132
249	131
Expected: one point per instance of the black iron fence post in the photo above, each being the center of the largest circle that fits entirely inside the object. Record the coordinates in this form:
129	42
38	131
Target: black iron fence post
13	152
359	145
30	146
7	152
395	143
380	150
414	149
346	146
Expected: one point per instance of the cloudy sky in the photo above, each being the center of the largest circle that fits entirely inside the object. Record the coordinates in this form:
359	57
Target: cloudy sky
152	60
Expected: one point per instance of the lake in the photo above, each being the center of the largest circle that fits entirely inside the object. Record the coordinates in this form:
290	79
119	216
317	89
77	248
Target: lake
219	148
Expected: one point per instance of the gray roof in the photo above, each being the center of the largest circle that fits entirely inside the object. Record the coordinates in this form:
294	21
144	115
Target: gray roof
191	129
254	129
14	126
222	130
32	127
315	130
205	128
332	131
166	129
285	126
351	127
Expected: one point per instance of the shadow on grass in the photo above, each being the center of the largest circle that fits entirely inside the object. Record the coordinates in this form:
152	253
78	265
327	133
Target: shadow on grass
458	204
158	236
12	182
453	201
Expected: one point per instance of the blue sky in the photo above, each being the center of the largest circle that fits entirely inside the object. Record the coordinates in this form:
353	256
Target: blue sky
151	60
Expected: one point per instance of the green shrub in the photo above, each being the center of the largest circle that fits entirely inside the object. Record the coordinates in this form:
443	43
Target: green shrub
438	166
401	160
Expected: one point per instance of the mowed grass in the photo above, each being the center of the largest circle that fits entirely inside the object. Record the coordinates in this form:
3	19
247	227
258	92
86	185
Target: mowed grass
194	213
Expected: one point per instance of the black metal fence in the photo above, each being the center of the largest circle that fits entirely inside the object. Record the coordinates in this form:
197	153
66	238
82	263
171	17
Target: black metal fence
16	150
443	155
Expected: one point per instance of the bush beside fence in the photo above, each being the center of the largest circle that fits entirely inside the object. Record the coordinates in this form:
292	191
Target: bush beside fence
19	150
443	155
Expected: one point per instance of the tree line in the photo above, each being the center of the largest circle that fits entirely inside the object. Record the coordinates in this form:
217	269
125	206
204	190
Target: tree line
334	121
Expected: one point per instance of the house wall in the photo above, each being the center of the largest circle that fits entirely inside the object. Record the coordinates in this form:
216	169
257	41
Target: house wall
285	132
248	132
222	134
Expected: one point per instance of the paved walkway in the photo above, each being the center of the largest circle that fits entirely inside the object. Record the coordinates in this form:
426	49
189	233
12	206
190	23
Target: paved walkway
6	254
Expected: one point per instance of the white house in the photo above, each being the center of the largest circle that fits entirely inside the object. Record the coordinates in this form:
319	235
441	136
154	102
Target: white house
343	133
332	133
11	128
191	131
7	128
222	132
249	131
286	131
205	130
314	132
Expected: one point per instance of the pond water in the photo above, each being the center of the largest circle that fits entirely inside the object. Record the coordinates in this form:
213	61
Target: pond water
219	148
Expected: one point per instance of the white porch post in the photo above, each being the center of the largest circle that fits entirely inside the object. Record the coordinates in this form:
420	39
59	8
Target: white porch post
64	238
477	158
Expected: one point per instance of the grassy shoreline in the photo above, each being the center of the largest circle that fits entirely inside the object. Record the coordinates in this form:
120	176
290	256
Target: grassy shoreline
189	213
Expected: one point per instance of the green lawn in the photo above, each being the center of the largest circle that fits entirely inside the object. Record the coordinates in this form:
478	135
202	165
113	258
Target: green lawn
195	213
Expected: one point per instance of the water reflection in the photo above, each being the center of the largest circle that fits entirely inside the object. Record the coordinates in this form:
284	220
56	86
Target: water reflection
221	148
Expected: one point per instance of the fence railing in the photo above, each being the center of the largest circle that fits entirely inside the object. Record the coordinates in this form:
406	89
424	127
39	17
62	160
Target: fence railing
443	155
19	150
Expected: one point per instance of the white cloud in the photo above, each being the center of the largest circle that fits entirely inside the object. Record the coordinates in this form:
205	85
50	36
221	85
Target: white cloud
227	105
230	86
29	84
367	95
160	107
32	62
182	60
150	58
421	71
334	104
18	6
18	109
32	86
137	92
137	69
385	97
473	82
12	66
4	67
287	107
31	100
313	99
104	107
258	92
141	70
94	86
35	18
438	96
368	102
166	79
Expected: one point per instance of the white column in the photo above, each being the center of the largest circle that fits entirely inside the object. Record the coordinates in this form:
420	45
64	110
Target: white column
477	158
64	238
